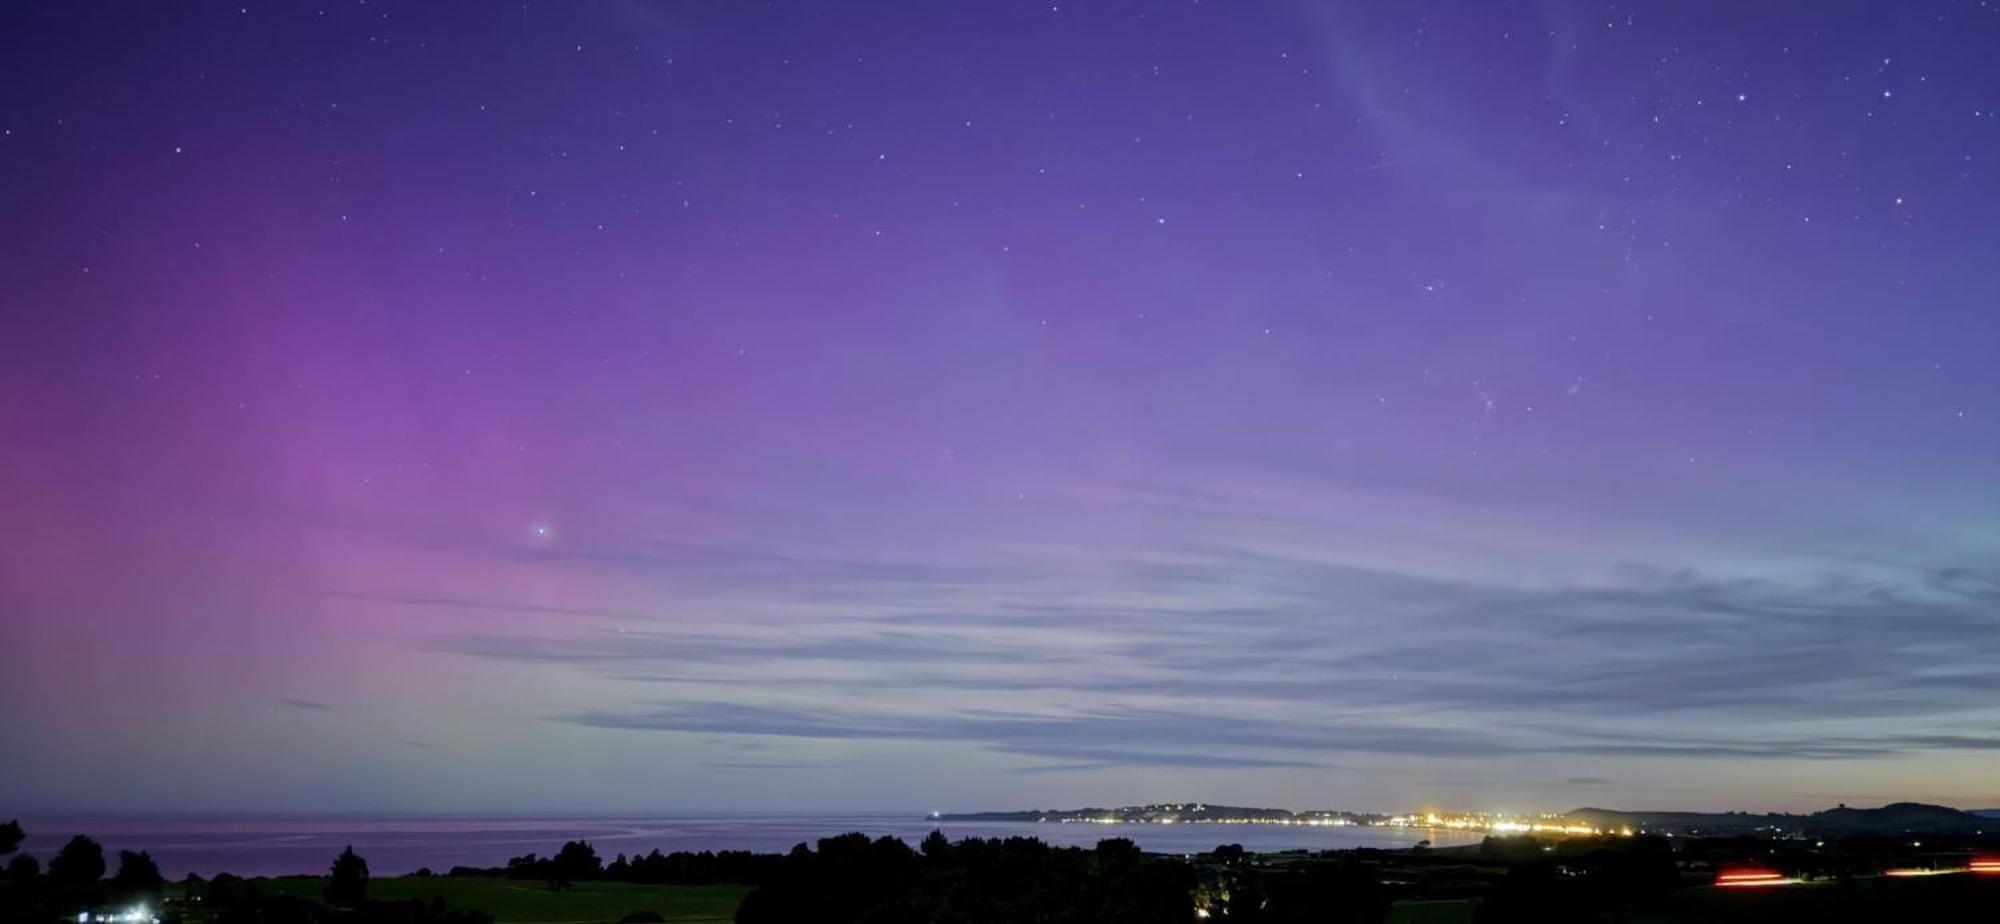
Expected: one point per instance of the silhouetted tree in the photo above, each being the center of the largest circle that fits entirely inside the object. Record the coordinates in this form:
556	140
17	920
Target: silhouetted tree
525	866
1133	889
73	874
138	878
23	868
576	860
79	864
24	894
852	879
678	868
935	847
1117	852
348	885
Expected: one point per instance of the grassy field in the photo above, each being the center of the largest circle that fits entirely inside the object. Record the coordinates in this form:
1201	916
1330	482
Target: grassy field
514	901
1437	912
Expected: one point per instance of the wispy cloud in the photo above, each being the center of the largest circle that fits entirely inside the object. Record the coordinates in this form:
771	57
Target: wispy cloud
1266	639
408	599
770	764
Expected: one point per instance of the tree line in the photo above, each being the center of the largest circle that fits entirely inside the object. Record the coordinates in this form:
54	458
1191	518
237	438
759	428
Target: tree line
852	878
856	879
578	861
883	880
74	877
74	883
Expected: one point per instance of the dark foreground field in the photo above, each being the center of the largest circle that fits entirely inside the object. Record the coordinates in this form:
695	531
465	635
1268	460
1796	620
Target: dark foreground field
1958	898
515	901
1431	912
1940	898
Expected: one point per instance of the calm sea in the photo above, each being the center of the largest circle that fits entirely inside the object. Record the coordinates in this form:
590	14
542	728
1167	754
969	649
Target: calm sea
397	846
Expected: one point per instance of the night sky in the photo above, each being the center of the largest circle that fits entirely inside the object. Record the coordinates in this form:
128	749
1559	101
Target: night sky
633	406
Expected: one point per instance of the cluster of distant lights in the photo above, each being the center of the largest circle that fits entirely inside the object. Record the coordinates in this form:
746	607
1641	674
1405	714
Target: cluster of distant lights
1310	822
138	915
1501	824
1504	825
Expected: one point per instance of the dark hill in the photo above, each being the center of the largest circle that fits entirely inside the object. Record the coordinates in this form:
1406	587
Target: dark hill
1895	818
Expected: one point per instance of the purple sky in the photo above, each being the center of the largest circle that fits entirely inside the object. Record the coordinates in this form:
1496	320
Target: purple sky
625	406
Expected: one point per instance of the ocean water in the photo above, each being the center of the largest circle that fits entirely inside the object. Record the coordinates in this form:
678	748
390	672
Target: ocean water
394	846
